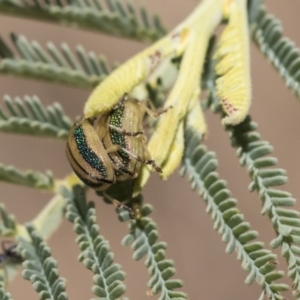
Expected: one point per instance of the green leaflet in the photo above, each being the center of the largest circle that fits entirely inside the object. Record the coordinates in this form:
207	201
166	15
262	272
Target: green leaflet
30	116
282	52
28	178
95	251
8	222
200	166
252	151
143	239
116	17
85	69
41	269
3	294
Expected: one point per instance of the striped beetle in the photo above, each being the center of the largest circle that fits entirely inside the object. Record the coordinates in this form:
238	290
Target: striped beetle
124	139
88	157
115	151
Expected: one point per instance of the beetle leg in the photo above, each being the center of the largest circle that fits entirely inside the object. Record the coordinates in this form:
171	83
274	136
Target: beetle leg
152	111
121	169
151	162
118	204
123	131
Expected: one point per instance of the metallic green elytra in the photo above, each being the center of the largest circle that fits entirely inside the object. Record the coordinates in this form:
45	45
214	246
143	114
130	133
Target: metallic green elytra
121	132
88	157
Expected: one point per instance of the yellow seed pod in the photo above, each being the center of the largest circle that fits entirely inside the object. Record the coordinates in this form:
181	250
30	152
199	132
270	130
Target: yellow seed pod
233	85
226	8
176	153
182	95
133	72
141	180
195	117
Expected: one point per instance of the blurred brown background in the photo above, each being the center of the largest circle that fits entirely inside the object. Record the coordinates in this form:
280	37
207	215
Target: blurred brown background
197	249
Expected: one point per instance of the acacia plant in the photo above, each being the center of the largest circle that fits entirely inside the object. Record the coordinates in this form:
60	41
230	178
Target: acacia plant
172	72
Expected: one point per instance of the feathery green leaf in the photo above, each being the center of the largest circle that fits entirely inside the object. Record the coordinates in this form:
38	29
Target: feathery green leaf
116	18
276	203
252	151
200	166
28	178
95	251
41	268
8	222
3	294
143	239
29	116
84	70
282	52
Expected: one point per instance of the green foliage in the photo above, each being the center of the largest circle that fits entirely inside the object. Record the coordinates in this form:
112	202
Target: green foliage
41	269
84	70
280	50
30	116
116	17
276	203
3	294
28	178
8	222
252	151
143	239
259	262
95	251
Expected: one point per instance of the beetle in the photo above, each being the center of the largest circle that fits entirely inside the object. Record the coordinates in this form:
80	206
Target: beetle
114	150
88	157
121	132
